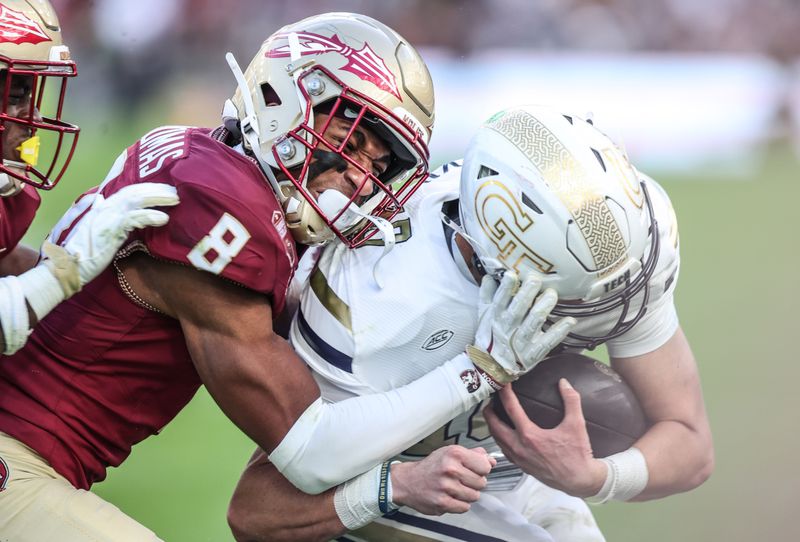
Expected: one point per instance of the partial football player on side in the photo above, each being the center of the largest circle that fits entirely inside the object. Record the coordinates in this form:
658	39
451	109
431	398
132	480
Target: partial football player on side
35	66
549	198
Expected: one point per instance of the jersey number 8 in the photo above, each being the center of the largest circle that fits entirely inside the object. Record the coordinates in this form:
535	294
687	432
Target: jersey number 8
216	250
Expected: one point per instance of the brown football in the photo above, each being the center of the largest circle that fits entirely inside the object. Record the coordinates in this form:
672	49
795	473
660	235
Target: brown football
614	418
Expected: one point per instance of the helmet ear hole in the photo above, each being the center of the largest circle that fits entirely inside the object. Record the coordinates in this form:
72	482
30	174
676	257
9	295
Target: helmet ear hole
271	97
486	171
599	159
528	202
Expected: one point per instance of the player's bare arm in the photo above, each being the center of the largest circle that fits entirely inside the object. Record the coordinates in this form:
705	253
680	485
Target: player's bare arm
252	373
265	506
677	447
19	260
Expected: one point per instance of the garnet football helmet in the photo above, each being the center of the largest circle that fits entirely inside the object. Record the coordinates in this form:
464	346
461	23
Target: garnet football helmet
549	194
349	66
31	54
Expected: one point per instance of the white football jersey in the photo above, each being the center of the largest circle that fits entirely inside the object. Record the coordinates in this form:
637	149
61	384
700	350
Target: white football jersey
359	338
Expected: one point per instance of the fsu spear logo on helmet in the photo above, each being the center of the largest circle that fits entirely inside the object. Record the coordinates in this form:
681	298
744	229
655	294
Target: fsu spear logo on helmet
16	27
364	63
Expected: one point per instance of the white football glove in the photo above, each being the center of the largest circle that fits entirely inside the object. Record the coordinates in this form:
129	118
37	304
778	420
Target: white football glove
100	233
509	340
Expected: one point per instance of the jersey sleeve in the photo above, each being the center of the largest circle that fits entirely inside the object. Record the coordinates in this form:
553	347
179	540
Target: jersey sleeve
228	221
16	215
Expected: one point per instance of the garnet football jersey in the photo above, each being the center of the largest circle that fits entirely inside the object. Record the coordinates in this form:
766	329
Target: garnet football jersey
16	215
101	372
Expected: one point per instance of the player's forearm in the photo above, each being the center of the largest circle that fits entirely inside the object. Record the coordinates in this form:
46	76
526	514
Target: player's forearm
329	430
679	458
21	259
265	506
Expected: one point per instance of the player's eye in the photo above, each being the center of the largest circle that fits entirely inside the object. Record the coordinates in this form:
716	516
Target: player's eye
15	99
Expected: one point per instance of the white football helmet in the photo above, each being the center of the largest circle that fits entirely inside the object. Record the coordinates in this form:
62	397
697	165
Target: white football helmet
31	48
346	65
547	193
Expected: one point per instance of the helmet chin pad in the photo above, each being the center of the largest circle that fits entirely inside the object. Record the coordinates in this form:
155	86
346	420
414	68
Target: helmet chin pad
338	207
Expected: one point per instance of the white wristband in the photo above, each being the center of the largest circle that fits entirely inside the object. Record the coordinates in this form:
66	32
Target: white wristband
357	501
627	477
13	314
41	289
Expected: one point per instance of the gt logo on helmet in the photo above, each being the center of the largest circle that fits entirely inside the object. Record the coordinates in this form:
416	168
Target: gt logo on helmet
494	199
16	27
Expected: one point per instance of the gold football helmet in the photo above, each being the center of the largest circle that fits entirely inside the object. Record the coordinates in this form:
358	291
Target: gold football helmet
348	66
31	54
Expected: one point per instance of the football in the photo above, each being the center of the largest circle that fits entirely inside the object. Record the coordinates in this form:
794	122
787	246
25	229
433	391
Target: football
614	418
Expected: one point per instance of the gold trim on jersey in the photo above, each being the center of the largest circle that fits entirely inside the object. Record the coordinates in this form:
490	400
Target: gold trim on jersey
578	191
402	233
332	302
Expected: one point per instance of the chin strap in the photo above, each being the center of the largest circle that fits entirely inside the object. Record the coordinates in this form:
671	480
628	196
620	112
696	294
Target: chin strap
332	202
484	264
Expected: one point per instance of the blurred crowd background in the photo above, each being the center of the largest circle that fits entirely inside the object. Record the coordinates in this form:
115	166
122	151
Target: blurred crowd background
168	55
705	96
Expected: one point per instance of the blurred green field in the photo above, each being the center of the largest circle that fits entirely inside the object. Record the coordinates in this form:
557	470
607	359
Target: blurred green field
738	285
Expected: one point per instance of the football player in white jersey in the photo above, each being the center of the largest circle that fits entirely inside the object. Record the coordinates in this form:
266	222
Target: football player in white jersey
549	197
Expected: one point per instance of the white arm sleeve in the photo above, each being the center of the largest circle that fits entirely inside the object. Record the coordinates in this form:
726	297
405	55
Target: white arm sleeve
332	443
36	287
13	315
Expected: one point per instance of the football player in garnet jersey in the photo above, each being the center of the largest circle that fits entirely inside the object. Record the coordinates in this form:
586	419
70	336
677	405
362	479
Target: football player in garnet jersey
33	58
546	196
324	139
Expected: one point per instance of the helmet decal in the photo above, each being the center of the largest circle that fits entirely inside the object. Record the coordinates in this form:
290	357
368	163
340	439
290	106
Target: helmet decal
570	182
16	27
364	63
511	221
